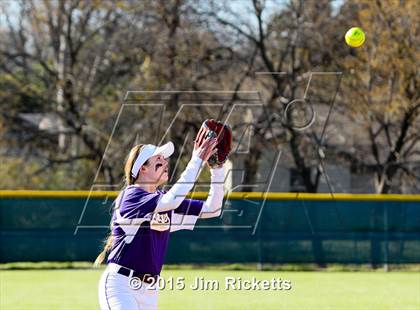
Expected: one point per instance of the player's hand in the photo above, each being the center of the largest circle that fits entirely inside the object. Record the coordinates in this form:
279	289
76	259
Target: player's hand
214	166
205	148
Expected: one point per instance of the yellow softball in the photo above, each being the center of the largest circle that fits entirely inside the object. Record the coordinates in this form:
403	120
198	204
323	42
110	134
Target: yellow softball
355	37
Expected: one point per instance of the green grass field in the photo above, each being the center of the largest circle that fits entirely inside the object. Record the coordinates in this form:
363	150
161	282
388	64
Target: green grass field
77	289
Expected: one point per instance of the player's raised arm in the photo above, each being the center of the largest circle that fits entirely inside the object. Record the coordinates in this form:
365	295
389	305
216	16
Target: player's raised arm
204	147
213	205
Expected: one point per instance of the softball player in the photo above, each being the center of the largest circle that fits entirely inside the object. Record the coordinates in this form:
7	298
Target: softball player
144	216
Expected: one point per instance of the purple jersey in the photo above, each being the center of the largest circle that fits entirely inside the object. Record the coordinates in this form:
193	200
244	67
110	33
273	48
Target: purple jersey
140	235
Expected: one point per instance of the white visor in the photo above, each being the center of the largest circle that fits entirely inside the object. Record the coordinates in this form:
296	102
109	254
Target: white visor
148	151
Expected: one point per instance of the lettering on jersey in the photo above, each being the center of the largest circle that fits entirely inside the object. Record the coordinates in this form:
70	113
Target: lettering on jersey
160	222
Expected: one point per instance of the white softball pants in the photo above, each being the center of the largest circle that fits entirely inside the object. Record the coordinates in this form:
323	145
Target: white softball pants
115	292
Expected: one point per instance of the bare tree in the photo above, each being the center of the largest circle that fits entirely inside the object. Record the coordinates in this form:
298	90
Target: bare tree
76	60
383	93
63	56
287	52
187	54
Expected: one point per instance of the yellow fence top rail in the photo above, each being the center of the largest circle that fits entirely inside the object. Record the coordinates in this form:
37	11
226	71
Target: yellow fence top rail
201	195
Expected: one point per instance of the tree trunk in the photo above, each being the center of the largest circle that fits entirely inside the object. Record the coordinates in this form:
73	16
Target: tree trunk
304	171
251	169
61	69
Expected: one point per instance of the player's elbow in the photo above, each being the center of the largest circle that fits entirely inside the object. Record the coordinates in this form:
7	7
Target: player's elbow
216	213
207	214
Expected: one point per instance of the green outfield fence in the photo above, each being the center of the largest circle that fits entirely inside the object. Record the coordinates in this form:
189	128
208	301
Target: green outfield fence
254	227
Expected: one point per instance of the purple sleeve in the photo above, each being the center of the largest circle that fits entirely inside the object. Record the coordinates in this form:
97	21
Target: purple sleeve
190	207
136	203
